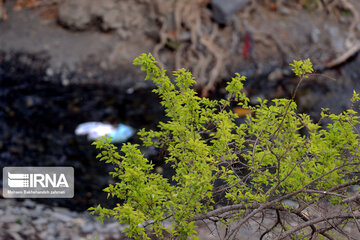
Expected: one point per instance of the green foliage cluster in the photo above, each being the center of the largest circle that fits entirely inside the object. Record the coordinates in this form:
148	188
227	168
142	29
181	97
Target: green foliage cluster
282	151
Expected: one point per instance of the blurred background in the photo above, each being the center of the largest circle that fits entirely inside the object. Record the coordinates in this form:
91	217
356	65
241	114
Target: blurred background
67	62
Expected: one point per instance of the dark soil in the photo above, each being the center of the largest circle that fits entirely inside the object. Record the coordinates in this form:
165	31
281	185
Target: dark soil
38	118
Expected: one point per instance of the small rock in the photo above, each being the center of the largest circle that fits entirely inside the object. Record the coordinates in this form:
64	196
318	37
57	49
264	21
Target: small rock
224	9
24	211
112	20
123	34
49	72
76	237
40	221
336	39
284	10
87	228
37	213
315	35
8	218
185	36
14	227
39	228
61	217
43	235
99	8
15	236
29	204
30	231
334	31
51	229
113	227
75	14
276	75
78	221
290	203
130	90
65	82
39	208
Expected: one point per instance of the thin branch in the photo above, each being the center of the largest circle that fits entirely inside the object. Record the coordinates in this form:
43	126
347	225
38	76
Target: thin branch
356	221
314	221
289	195
352	198
324	193
337	187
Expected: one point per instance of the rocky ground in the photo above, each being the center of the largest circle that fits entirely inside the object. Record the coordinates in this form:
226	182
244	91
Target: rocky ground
28	220
32	221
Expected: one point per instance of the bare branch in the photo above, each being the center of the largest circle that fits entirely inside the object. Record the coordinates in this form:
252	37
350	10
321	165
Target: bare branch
314	221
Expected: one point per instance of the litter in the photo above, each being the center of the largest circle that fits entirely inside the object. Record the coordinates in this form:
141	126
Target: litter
95	130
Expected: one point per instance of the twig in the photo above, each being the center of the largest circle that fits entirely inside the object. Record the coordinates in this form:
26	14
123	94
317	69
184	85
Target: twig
323	192
289	195
340	186
314	221
356	221
352	198
235	207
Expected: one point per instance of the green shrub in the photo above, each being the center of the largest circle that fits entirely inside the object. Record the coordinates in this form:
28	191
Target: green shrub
276	154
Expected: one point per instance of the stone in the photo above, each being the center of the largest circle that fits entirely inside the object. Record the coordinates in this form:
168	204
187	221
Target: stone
29	203
76	237
37	212
276	75
49	72
291	203
99	8
112	20
14	227
61	217
75	14
78	221
39	208
8	218
40	221
87	228
24	211
39	228
15	236
113	227
224	9
30	231
315	35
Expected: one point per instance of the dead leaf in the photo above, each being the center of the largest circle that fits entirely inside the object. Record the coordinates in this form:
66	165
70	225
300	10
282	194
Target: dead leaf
241	111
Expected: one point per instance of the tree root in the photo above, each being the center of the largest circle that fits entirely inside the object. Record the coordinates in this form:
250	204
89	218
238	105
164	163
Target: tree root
189	26
353	50
163	39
